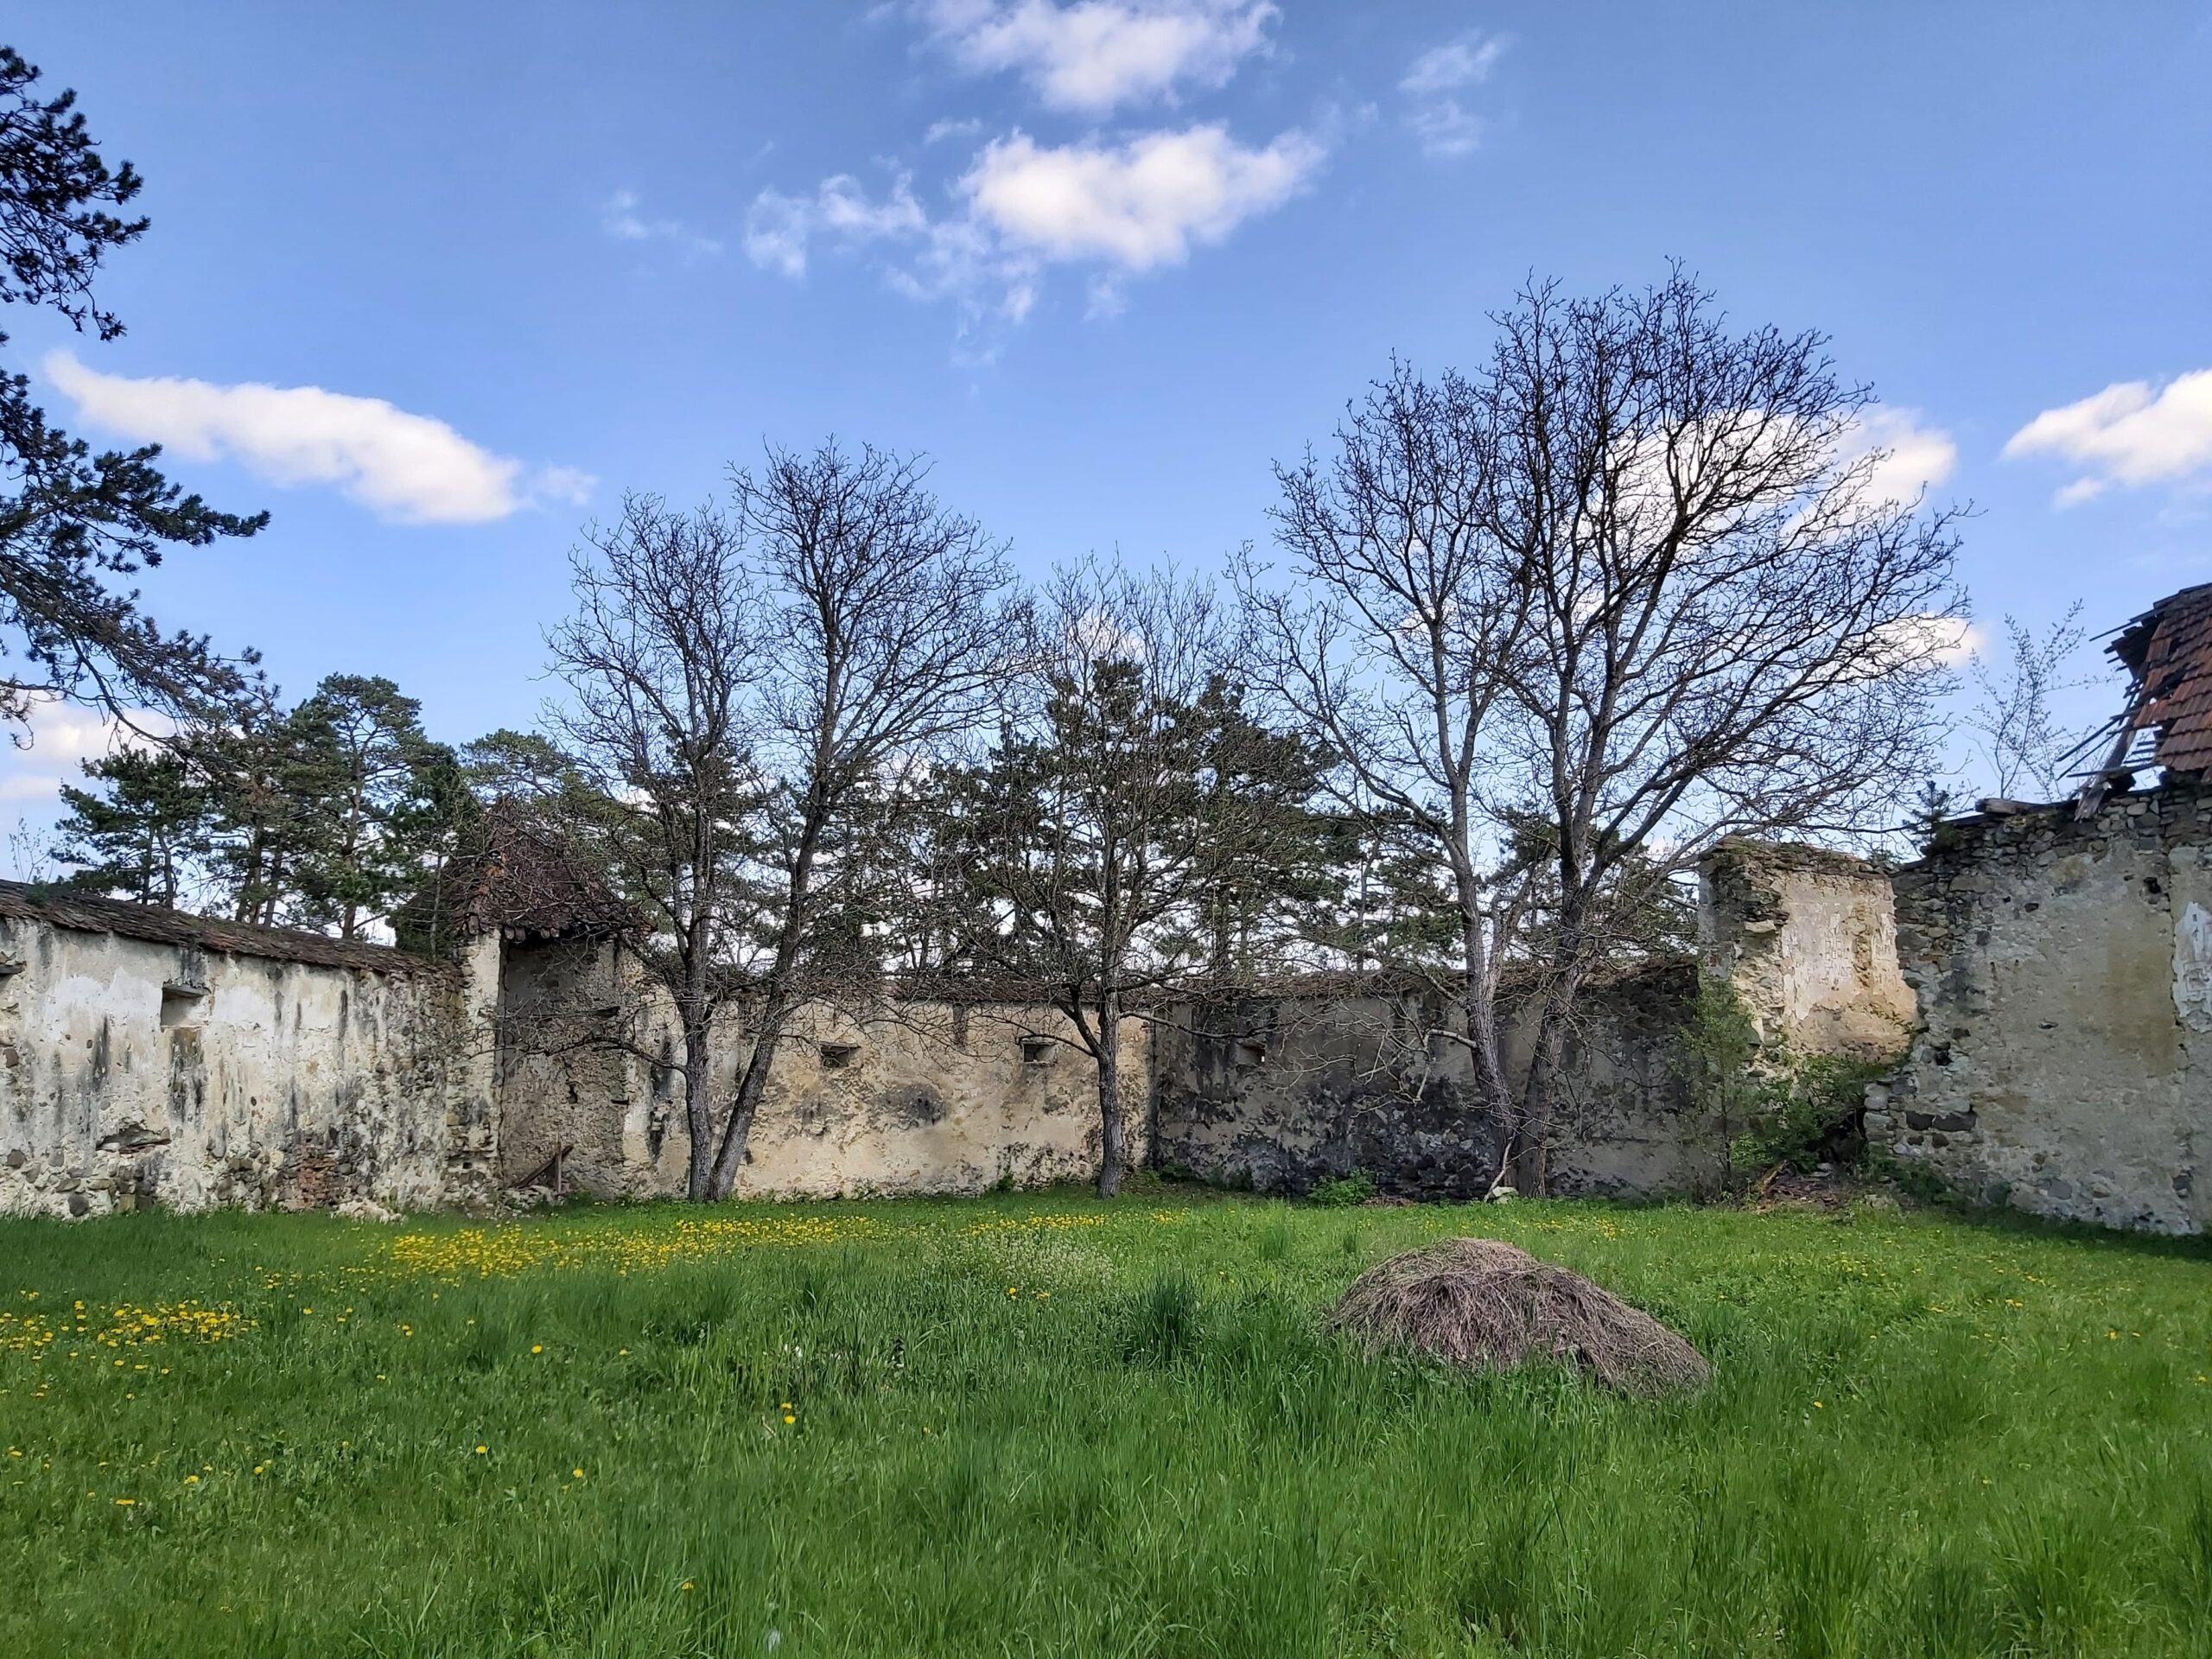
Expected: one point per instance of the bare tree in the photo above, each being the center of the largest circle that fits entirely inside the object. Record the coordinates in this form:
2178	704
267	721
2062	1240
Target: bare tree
2014	721
1094	827
751	687
665	659
1732	628
1394	644
1633	588
895	628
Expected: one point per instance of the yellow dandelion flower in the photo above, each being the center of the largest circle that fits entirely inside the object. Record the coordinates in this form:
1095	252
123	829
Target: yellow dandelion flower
575	1474
789	1418
536	1347
481	1450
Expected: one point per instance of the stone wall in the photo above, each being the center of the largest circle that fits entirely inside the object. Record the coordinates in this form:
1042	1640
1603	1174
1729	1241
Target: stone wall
1281	1092
183	1070
1285	1092
2065	974
929	1097
148	1057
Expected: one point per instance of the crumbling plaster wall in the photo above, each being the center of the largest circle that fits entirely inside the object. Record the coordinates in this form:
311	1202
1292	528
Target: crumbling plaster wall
134	1073
1808	939
908	1098
2064	974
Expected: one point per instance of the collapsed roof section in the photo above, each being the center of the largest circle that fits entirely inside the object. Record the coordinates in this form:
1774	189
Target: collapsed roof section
515	875
2167	651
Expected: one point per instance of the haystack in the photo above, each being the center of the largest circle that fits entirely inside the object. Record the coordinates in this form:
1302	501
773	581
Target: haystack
1490	1307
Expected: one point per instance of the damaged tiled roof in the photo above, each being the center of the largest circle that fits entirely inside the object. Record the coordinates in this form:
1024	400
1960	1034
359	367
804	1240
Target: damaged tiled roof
2167	649
22	902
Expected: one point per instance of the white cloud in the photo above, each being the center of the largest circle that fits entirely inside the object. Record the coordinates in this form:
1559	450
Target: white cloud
940	131
1104	297
1138	204
1021	206
619	218
2128	434
1927	642
1914	459
404	466
779	228
1432	87
1096	55
61	737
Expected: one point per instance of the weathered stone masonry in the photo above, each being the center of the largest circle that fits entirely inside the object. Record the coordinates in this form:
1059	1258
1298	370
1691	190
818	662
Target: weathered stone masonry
1279	1092
909	1097
1321	1080
2063	1058
1807	938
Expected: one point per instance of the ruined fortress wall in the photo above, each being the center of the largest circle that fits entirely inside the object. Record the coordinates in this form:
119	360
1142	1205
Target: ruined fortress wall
1281	1092
2064	974
134	1073
928	1097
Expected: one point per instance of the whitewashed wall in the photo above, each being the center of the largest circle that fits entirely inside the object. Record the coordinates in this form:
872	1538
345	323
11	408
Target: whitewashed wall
916	1098
266	1083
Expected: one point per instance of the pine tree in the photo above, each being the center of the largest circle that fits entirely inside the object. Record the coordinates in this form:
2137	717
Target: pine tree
382	801
71	521
146	838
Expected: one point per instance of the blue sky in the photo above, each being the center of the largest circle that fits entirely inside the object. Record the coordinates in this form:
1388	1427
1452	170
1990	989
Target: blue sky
1103	261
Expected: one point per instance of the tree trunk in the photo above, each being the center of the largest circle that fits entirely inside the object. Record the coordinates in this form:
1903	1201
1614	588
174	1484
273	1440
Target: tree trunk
1480	1006
730	1155
1531	1168
1478	999
737	1133
1539	1097
698	1111
1113	1155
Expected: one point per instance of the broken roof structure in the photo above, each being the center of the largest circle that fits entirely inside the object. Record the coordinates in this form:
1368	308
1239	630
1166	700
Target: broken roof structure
517	876
2167	651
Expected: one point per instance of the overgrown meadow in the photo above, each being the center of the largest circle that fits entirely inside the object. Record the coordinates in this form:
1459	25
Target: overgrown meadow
1037	1424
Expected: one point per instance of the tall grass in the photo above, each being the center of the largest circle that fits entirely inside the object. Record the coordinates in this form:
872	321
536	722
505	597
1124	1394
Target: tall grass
1040	1425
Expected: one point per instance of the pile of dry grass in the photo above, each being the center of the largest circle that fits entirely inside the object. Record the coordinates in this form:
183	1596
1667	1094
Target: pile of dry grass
1489	1305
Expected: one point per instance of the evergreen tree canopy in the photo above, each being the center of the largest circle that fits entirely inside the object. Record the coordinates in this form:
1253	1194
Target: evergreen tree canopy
328	817
72	521
146	838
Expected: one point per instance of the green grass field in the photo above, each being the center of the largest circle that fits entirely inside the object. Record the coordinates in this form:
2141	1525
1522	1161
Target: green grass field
1033	1424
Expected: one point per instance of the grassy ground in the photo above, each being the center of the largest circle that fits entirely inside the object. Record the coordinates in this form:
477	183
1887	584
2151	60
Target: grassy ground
1040	1425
